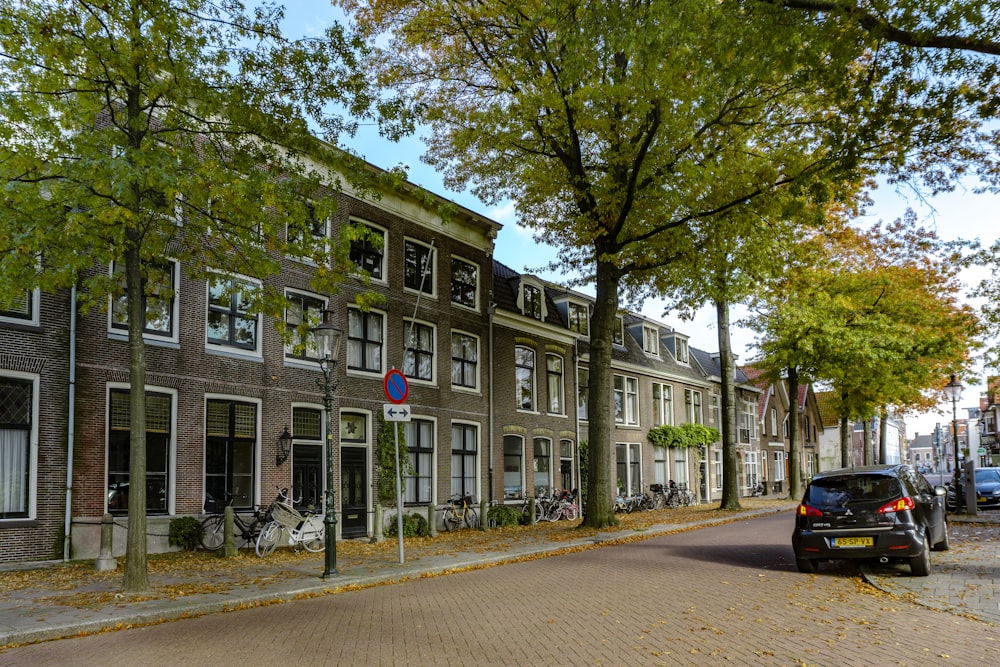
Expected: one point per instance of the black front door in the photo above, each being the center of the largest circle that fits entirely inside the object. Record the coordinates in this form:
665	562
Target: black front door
353	493
307	476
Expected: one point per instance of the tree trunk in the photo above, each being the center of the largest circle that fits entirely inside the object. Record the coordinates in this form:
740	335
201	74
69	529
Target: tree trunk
730	464
136	578
794	444
883	433
599	509
846	443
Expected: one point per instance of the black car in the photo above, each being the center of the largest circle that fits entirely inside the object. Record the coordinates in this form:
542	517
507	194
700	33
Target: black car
886	512
987	489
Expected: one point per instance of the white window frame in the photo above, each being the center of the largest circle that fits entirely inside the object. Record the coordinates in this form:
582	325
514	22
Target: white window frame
408	327
519	495
430	269
627	397
633	482
383	277
650	340
618	332
432	476
774	421
578	318
478	362
582	393
693	409
477	457
225	348
324	236
291	358
259	407
31	318
121	333
663	404
518	399
560	386
475	288
717	469
779	465
546	490
366	371
522	303
683	353
32	461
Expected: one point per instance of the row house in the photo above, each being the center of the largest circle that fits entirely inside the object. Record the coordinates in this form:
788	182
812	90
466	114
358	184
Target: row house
224	386
989	408
773	409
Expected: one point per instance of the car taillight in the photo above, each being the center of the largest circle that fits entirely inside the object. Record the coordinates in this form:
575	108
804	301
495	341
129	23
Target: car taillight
808	510
898	505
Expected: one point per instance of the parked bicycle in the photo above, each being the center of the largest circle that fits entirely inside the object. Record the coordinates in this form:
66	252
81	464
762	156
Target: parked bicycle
757	490
562	506
460	511
214	525
303	529
527	505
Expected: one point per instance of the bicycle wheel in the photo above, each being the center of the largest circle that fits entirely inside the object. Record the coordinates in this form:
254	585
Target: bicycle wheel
267	541
571	512
213	532
471	518
451	519
317	543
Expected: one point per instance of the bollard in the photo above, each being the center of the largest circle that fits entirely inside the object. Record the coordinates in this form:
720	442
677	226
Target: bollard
106	560
432	520
228	542
483	511
377	534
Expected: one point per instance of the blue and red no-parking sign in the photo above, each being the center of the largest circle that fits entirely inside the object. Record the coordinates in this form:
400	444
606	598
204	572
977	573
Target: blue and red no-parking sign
395	386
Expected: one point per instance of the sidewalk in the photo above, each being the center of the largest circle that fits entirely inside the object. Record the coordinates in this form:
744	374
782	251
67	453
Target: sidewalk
55	599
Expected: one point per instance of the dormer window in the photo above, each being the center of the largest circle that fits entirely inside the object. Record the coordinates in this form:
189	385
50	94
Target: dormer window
681	346
531	301
618	334
579	318
650	340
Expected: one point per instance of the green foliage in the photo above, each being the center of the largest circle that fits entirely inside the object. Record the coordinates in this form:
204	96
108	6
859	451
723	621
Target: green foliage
683	436
185	532
385	461
414	525
506	515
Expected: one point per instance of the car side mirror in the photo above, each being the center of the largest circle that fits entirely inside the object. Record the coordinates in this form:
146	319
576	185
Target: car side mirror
940	491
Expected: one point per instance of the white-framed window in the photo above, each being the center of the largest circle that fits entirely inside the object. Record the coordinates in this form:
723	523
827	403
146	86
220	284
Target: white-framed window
663	404
524	378
420	447
779	466
465	459
302	312
159	301
692	406
717	469
582	391
418	354
160	420
567	477
628	467
541	466
555	385
22	308
464	283
751	469
232	434
513	467
618	331
680	459
418	267
578	316
368	249
774	421
18	444
715	411
231	324
626	395
464	360
308	238
365	340
661	465
784	427
810	464
681	345
650	340
532	301
307	455
748	417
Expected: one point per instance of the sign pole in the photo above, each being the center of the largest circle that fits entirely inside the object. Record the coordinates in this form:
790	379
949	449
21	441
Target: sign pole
399	495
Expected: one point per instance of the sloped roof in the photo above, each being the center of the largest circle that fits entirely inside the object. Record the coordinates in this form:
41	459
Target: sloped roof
712	365
825	401
506	285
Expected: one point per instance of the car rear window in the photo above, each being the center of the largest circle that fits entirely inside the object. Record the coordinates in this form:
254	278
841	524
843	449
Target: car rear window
842	491
987	475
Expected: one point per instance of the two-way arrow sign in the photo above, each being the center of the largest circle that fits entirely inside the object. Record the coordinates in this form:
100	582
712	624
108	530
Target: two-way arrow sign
396	413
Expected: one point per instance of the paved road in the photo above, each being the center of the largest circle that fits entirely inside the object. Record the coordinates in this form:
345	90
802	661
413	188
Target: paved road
727	595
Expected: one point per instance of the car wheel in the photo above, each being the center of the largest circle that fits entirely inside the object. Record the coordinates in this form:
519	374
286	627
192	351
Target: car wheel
943	545
806	565
920	565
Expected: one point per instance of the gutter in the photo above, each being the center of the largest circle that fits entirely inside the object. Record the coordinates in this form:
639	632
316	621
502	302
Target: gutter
70	432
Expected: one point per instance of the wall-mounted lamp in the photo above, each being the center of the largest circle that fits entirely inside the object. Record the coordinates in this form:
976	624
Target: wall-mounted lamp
284	447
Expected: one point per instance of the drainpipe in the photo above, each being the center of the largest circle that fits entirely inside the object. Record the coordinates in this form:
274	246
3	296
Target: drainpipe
490	311
70	435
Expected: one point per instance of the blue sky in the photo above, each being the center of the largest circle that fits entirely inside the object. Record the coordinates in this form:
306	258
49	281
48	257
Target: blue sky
961	214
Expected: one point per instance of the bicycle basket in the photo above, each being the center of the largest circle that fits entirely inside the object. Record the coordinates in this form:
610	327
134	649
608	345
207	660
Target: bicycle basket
286	515
215	505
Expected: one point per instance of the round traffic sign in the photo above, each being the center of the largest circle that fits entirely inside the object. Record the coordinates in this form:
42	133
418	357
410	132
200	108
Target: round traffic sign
395	386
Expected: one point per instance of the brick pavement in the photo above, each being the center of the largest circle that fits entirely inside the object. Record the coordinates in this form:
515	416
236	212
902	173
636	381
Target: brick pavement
964	581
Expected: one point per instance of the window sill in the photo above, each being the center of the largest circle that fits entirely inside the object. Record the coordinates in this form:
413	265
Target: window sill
233	353
147	339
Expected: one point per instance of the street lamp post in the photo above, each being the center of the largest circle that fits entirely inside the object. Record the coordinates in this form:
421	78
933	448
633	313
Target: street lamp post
953	390
327	337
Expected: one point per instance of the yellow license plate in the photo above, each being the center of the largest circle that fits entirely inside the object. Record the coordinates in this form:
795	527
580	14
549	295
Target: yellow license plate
853	542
